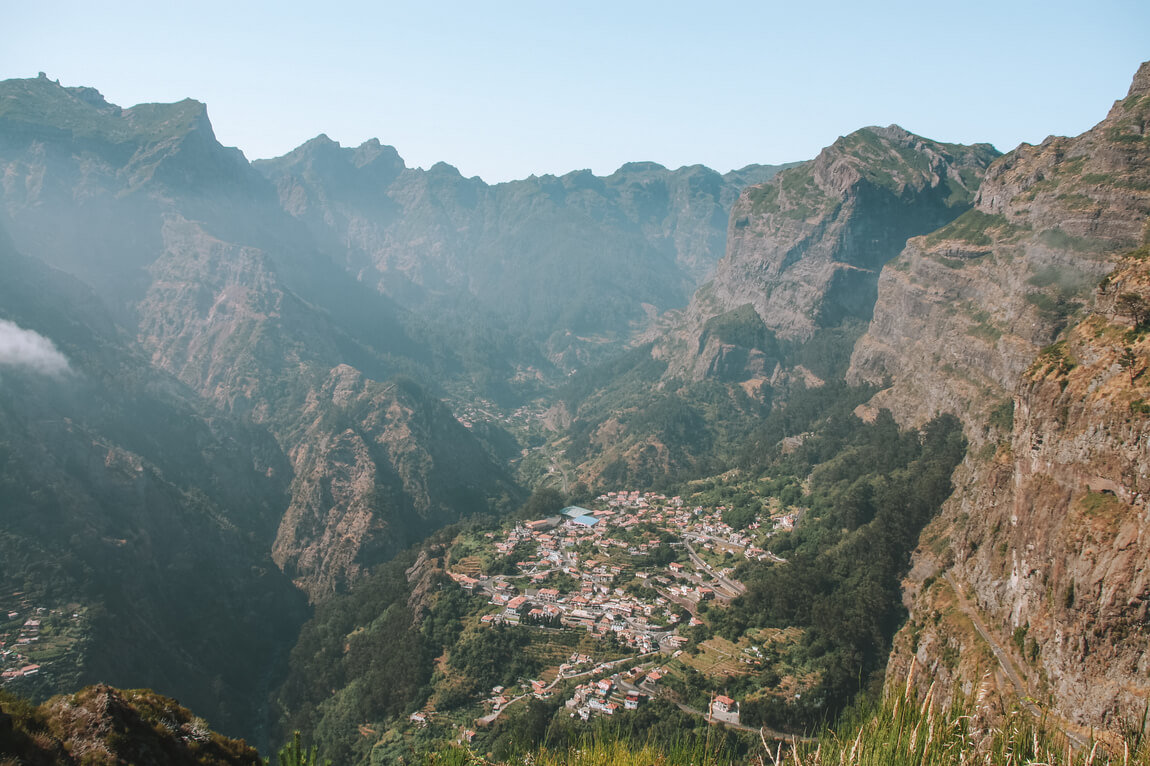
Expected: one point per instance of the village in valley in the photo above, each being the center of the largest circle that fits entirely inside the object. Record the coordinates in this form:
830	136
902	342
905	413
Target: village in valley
637	573
37	640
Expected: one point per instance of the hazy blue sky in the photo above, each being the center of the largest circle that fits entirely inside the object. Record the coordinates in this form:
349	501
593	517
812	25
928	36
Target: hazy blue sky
507	89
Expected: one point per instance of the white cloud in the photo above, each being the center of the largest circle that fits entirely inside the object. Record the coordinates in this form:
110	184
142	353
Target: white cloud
30	350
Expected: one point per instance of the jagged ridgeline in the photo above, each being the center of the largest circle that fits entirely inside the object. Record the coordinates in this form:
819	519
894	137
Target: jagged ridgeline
231	379
569	266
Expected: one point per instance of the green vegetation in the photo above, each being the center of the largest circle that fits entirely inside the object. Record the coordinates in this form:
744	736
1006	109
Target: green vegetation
983	327
368	647
1054	359
901	730
741	327
1002	417
1055	310
792	194
974	227
295	754
871	490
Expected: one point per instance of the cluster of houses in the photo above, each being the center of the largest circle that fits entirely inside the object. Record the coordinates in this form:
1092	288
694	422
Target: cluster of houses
22	632
597	558
611	694
483	411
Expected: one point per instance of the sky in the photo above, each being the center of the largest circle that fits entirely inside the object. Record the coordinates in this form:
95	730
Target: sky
504	90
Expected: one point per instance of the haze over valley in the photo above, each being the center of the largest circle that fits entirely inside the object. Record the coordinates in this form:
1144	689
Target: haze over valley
422	466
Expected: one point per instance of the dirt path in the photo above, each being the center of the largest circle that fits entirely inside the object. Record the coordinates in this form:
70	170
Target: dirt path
1009	669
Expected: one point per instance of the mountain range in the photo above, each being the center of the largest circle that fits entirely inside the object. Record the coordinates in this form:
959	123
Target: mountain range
232	389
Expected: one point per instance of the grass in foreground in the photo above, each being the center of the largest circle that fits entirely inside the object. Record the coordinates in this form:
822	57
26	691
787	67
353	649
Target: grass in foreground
900	732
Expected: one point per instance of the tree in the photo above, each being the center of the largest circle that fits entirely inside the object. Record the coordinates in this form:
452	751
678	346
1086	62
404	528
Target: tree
1136	307
1129	362
295	754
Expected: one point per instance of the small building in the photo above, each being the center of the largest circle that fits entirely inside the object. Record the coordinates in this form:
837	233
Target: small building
724	705
544	524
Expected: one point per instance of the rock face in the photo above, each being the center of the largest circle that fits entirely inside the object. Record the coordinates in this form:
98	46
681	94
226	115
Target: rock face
1043	546
379	467
805	249
963	311
573	263
803	256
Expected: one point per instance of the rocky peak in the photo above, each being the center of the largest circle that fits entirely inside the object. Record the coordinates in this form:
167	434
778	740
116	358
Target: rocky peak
964	310
639	167
1141	83
804	249
372	152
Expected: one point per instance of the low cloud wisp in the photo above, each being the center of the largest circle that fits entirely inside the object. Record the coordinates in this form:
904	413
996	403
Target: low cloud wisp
30	350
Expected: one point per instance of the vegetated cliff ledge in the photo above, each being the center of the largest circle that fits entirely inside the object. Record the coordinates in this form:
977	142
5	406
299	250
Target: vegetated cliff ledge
805	249
1044	542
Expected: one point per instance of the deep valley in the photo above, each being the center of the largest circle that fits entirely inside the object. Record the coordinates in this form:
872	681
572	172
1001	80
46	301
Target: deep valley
423	467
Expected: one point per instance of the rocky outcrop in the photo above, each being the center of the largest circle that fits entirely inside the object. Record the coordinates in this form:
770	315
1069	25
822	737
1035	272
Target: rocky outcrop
104	725
805	249
1043	546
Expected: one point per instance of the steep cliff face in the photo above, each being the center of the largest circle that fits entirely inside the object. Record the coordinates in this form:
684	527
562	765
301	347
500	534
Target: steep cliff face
1034	577
128	504
1048	537
378	467
805	249
218	284
555	259
964	310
